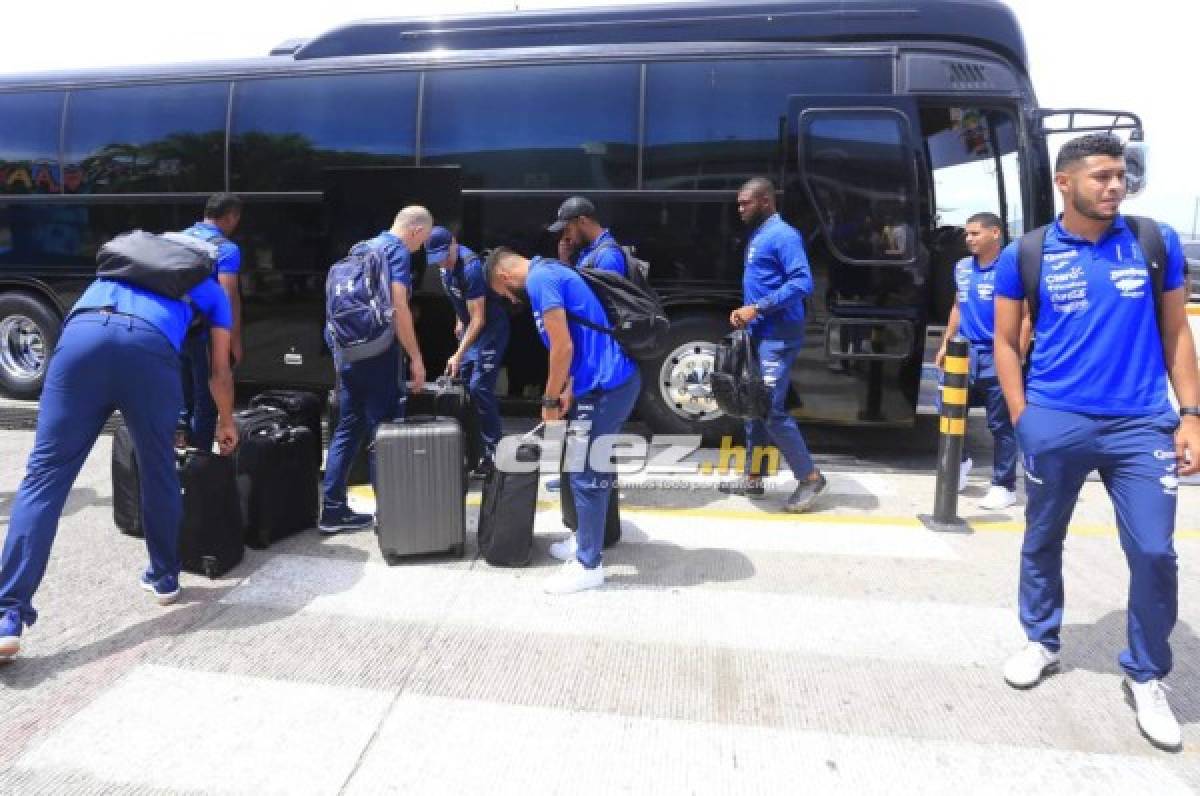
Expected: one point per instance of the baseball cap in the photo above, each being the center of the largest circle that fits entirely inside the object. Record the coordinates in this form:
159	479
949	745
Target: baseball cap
572	209
438	245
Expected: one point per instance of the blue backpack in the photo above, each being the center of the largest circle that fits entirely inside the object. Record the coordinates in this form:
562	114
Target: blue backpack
358	304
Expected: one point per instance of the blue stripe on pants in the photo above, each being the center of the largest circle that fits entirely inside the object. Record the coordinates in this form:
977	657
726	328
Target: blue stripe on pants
1136	460
594	415
102	363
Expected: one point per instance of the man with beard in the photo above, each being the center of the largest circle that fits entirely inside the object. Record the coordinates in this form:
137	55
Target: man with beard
595	245
775	282
1096	399
590	380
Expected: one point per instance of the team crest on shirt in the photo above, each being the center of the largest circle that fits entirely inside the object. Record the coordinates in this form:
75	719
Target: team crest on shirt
1131	282
985	290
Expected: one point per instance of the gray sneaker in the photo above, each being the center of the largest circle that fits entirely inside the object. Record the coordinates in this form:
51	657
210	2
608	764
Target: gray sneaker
806	494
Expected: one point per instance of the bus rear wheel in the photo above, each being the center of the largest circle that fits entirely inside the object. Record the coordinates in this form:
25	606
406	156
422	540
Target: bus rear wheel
676	396
29	330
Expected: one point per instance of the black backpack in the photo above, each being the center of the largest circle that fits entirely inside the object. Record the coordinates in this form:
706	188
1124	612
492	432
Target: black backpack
638	320
737	381
1149	239
170	264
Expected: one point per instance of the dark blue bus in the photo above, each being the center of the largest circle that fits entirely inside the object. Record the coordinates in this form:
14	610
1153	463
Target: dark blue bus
884	125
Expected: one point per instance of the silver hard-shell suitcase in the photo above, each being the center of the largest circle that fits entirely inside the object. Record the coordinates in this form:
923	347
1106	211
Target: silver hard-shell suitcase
420	490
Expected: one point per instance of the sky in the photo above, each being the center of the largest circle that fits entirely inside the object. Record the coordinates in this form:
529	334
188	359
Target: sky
1138	56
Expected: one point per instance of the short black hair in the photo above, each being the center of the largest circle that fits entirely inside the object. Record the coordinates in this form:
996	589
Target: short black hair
493	258
220	205
760	186
989	220
1085	146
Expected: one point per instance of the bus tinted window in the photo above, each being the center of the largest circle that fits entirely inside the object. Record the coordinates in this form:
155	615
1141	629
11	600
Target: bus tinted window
534	127
29	142
286	130
710	124
858	166
142	139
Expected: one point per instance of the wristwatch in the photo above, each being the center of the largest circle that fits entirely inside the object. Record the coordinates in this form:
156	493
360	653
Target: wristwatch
1194	411
551	402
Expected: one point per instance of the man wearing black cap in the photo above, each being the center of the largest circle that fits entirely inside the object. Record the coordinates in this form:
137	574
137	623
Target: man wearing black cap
577	220
481	327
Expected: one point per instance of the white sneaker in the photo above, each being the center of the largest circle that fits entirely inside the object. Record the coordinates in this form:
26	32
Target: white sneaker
1154	716
1025	669
998	498
572	577
964	470
566	549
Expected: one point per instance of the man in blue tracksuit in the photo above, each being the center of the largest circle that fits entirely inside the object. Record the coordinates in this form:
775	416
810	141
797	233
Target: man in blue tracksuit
119	350
371	391
222	214
589	380
481	327
775	282
1096	399
576	219
972	318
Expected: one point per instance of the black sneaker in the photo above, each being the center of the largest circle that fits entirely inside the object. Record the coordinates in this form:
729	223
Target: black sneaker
484	469
806	494
336	520
743	487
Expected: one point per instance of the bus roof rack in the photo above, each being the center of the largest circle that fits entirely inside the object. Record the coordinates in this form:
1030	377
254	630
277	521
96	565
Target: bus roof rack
988	23
288	47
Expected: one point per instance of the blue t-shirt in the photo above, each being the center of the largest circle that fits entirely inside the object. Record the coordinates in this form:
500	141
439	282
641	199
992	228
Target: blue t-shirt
1098	349
396	254
229	256
608	255
777	278
598	362
170	316
976	302
466	282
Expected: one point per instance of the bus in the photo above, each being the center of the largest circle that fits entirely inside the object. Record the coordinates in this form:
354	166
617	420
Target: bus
884	126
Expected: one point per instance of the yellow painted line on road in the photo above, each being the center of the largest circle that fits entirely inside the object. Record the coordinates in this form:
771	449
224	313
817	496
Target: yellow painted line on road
741	515
1193	309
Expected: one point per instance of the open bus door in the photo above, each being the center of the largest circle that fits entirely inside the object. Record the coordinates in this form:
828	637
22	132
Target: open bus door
362	201
858	170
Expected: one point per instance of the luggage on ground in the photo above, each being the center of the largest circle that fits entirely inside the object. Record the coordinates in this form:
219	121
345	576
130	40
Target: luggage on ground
126	484
210	536
507	511
450	398
277	475
737	381
303	409
420	487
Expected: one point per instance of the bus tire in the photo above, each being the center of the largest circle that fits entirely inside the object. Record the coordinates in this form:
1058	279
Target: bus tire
675	395
29	330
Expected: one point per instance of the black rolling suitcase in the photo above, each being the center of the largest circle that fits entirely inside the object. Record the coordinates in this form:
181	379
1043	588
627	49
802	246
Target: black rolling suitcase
126	484
302	408
450	398
612	521
360	466
507	511
420	492
210	536
277	476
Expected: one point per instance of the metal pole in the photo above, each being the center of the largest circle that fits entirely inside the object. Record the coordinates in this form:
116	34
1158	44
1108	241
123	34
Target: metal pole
953	429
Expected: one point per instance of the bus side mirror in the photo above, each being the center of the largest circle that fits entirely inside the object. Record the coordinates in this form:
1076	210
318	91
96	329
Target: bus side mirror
1136	152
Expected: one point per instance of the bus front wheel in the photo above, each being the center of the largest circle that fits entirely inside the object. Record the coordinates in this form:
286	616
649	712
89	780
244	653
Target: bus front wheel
29	330
676	396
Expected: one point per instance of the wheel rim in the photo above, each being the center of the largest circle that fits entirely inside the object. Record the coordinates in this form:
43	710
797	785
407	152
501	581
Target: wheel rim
684	382
22	348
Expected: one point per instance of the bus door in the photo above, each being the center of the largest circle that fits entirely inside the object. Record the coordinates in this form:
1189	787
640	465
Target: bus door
361	201
857	198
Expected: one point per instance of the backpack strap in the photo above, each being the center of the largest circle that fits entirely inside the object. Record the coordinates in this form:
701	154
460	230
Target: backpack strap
605	245
1029	265
1154	250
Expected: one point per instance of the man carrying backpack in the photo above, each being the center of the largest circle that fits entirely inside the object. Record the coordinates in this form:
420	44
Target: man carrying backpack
1107	301
119	350
366	301
775	282
598	249
481	327
222	214
590	380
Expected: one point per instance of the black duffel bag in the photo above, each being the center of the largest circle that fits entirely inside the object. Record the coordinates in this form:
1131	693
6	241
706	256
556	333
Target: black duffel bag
737	381
170	264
